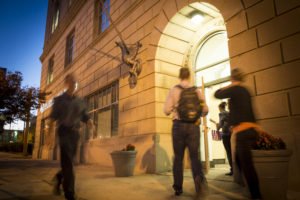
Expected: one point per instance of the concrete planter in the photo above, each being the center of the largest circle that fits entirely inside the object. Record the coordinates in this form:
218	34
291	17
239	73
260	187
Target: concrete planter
123	162
272	170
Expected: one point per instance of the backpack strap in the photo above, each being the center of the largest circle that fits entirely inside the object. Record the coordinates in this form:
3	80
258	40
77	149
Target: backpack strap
179	86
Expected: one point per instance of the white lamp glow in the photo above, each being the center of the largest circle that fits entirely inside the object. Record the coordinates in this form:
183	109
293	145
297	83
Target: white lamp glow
197	19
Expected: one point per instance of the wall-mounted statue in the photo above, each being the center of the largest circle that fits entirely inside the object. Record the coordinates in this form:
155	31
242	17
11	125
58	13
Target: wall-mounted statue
129	58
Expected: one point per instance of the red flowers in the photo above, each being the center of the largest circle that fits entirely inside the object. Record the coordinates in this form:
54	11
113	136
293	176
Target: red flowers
129	147
268	142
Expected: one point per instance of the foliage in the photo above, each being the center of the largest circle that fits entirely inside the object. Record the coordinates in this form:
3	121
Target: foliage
10	87
129	147
17	102
30	98
268	142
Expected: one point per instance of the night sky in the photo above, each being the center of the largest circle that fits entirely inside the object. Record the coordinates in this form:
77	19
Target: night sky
22	30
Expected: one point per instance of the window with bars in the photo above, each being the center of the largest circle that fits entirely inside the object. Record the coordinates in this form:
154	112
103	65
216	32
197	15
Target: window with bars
103	107
50	70
103	15
70	44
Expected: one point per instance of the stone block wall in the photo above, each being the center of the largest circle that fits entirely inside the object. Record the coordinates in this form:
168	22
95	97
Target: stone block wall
264	40
268	51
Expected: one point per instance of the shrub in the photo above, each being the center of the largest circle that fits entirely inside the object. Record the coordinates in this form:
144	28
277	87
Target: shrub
15	147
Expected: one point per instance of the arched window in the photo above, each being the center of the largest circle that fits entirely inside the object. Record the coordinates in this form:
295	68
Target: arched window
212	60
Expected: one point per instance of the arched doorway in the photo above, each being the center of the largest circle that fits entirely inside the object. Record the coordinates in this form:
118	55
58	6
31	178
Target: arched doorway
195	37
212	65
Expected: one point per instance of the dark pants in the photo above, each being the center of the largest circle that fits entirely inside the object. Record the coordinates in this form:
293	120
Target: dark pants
185	135
227	145
245	141
68	140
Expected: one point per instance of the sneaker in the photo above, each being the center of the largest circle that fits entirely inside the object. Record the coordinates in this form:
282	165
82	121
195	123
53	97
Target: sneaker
198	185
56	189
229	174
57	183
201	186
178	190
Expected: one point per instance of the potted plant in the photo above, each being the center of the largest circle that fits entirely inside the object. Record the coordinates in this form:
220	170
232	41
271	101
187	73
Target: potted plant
271	160
124	160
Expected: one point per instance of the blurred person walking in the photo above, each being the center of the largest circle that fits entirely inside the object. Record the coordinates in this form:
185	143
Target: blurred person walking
187	105
244	131
68	110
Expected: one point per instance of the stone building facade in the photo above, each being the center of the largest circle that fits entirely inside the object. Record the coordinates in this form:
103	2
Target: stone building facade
263	40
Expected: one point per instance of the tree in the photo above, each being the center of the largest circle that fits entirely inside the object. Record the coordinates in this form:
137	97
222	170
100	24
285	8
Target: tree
17	102
10	86
30	99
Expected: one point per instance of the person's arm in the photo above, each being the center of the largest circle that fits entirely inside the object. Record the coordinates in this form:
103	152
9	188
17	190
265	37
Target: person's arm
86	119
169	104
205	107
53	115
226	92
221	122
90	124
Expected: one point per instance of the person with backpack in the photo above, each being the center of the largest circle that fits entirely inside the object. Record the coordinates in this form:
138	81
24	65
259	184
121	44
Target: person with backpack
226	133
187	105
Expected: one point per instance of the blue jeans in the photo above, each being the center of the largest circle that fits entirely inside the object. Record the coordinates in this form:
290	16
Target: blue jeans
186	135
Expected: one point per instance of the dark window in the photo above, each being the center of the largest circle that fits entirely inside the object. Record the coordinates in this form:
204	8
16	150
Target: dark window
55	17
42	131
70	44
50	70
104	110
103	15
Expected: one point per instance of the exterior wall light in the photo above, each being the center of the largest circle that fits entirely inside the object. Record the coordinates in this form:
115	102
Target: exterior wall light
196	17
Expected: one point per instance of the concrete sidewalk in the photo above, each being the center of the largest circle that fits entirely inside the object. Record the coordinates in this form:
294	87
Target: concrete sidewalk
22	178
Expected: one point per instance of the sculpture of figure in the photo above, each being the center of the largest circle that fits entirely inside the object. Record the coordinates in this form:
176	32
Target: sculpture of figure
129	57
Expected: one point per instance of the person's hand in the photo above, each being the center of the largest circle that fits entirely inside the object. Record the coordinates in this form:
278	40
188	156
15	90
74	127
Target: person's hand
217	124
91	125
198	122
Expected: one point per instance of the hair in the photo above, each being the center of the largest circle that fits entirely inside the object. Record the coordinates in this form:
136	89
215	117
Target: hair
184	73
69	77
237	75
222	105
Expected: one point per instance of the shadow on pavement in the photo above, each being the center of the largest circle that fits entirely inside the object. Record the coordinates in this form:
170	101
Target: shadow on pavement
28	163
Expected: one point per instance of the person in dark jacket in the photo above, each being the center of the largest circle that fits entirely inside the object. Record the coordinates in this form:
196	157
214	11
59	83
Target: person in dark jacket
68	110
244	130
226	136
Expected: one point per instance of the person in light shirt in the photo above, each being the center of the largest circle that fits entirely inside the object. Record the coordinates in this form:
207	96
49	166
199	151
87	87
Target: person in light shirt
185	133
